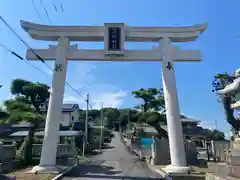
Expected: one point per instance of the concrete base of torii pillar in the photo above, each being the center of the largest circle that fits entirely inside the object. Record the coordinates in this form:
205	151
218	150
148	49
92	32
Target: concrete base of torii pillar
175	133
46	169
54	114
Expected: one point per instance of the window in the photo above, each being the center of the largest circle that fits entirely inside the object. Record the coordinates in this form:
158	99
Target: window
72	118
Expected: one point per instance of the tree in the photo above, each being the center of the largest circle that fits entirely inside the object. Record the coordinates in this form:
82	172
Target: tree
155	120
112	115
153	99
220	82
19	111
3	115
26	107
93	113
214	135
217	135
36	93
153	103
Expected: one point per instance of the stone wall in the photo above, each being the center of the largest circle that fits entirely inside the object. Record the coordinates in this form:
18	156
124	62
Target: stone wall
7	152
219	148
161	153
8	157
66	154
63	150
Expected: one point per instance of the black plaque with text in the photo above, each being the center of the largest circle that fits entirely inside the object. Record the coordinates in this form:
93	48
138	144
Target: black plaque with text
114	39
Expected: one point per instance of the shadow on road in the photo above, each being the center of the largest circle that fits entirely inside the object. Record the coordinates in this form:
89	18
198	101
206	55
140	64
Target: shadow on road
84	169
119	177
99	171
107	146
96	152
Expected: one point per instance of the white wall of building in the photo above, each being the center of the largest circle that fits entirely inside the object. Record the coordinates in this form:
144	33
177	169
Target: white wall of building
69	117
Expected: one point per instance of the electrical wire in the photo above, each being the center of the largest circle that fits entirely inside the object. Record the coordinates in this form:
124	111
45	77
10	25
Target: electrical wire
35	67
35	8
46	12
55	7
14	32
21	58
39	57
62	8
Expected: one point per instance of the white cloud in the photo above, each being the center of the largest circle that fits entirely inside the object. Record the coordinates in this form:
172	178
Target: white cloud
109	99
74	99
82	78
81	74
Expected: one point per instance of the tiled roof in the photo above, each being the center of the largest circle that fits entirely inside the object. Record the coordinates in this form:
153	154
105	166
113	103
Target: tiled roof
65	108
69	107
186	119
41	133
197	131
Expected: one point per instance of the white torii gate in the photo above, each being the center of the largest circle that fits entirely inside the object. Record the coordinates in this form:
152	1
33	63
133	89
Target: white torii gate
114	35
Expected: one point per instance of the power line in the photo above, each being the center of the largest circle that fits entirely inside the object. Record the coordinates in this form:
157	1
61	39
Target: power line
62	8
35	67
39	57
55	7
46	12
36	10
14	32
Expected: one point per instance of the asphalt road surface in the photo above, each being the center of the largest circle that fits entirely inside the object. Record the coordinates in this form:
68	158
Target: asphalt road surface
115	162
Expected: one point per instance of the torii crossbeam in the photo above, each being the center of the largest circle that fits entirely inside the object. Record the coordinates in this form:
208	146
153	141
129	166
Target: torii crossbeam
114	35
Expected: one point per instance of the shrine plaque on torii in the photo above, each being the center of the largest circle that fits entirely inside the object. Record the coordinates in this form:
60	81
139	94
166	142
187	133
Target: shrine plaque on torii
114	35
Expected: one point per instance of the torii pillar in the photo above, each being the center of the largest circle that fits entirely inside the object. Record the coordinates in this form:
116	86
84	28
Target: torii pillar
175	134
114	35
54	113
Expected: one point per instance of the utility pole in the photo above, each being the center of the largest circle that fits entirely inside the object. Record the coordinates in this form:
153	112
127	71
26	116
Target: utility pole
216	124
129	117
85	139
86	121
101	132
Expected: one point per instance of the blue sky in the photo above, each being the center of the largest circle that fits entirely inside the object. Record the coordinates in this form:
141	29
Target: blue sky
112	83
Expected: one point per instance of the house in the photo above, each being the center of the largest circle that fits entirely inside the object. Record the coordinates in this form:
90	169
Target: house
190	127
70	113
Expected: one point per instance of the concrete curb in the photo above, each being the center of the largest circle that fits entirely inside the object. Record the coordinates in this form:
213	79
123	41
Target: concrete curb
135	152
131	150
62	174
163	173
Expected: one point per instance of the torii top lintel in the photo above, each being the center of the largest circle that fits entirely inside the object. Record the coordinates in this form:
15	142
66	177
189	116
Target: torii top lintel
96	33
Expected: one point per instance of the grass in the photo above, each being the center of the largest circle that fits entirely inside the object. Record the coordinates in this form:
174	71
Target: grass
82	159
22	174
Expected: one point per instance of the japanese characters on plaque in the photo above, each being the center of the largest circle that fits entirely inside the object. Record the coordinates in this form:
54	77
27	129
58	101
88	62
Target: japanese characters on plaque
114	38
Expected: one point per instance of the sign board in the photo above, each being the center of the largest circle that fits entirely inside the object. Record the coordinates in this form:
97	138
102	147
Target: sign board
114	39
146	142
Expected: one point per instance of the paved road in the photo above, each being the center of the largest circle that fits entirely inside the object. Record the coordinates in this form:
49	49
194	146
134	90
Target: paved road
116	162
